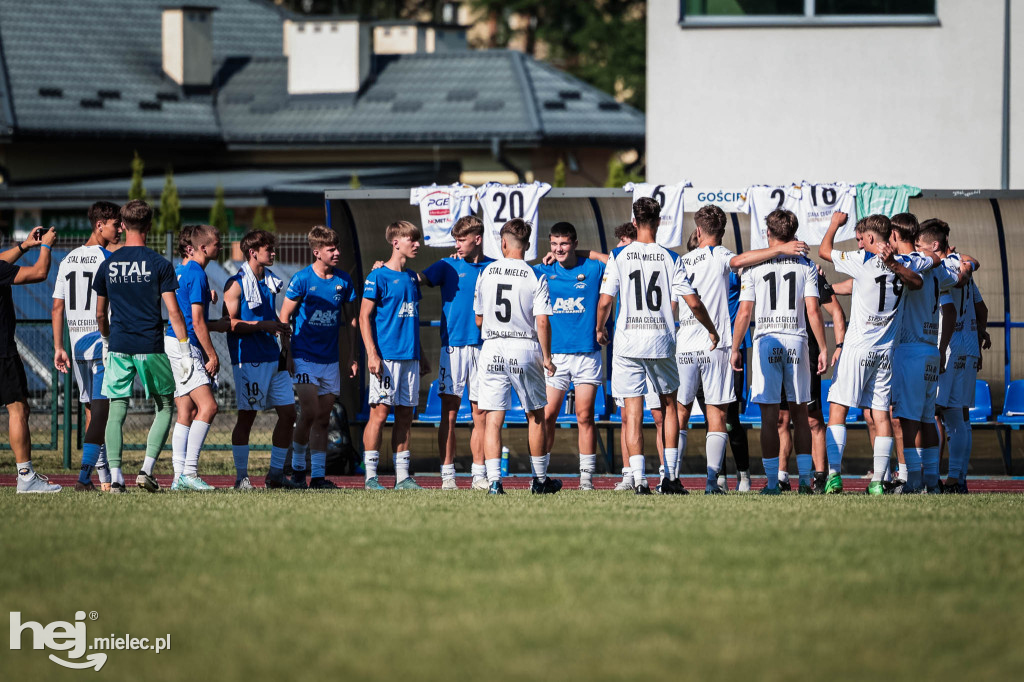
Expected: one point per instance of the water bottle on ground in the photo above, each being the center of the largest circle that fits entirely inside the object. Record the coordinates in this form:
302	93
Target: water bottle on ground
504	461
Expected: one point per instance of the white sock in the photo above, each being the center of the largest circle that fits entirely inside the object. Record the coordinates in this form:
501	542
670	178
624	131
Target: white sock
493	467
103	466
714	443
25	470
479	471
904	472
447	471
196	437
804	464
835	443
370	460
627	475
240	453
771	470
299	456
588	464
179	446
684	438
147	465
783	476
965	456
930	466
115	475
672	463
540	467
636	463
915	476
402	465
882	453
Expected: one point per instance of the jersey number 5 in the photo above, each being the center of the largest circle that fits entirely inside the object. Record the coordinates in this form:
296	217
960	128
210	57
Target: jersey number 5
503	302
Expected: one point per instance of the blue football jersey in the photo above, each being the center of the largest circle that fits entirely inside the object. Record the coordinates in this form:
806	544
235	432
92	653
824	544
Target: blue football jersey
457	280
193	289
319	314
261	346
574	296
397	325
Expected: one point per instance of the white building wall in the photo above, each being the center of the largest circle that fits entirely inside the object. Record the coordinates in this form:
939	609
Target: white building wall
920	105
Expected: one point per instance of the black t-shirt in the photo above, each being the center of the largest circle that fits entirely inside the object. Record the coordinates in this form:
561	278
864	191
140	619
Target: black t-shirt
133	279
7	319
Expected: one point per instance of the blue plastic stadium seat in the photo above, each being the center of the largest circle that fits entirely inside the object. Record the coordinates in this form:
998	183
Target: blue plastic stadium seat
567	413
1013	406
982	410
432	412
751	414
600	404
854	415
616	416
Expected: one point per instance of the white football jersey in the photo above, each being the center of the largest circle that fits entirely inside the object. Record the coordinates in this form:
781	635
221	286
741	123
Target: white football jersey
707	271
877	292
75	276
778	288
509	295
501	203
761	200
670	198
816	206
440	208
965	332
921	307
648	277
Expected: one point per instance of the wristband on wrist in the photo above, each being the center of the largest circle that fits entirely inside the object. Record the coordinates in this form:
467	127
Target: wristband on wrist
47	247
22	248
839	345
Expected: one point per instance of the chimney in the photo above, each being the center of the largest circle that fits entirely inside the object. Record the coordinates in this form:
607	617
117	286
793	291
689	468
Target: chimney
187	33
327	57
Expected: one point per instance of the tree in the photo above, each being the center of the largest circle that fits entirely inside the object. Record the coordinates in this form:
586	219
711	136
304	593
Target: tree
169	217
263	219
137	190
617	174
559	179
353	182
219	212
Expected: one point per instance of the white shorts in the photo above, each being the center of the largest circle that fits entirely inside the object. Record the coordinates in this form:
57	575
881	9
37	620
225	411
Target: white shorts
326	376
89	377
399	384
458	367
956	384
915	381
506	367
260	385
863	378
576	368
199	376
710	368
780	362
652	401
632	376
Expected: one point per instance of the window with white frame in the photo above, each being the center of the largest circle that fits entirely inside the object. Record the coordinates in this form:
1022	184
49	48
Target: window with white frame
719	12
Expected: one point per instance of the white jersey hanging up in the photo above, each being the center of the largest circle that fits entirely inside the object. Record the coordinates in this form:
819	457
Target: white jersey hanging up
501	203
816	206
441	206
670	198
760	200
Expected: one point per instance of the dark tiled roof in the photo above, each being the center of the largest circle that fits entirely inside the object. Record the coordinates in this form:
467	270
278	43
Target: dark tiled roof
93	68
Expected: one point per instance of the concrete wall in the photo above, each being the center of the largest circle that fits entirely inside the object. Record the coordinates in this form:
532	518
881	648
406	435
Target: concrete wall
916	104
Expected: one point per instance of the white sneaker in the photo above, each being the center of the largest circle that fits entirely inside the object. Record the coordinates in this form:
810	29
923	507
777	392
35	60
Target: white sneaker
586	485
37	484
624	486
448	484
723	482
480	484
744	485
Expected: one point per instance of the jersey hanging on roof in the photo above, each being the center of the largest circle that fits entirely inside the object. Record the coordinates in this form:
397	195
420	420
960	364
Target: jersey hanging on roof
760	200
817	204
670	198
441	206
501	203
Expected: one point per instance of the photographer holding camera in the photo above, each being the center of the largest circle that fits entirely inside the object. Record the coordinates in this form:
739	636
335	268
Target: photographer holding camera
13	382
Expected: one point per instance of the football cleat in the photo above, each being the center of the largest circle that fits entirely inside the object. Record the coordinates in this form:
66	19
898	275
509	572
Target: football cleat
712	488
480	484
878	488
818	484
147	482
549	486
177	484
805	489
743	486
833	484
373	484
298	477
244	485
785	486
586	485
37	484
723	482
674	487
622	486
87	487
408	483
117	488
449	484
194	483
495	489
934	489
770	491
321	483
642	489
276	480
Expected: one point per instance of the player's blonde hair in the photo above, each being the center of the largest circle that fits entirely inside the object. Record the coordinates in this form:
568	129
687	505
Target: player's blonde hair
400	229
467	225
321	236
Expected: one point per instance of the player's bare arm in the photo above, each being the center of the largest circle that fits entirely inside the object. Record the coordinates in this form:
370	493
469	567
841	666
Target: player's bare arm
604	308
981	312
818	329
373	360
843	288
828	241
701	314
544	338
906	275
35	238
742	324
352	325
838	316
203	335
38	271
60	356
236	325
285	317
756	256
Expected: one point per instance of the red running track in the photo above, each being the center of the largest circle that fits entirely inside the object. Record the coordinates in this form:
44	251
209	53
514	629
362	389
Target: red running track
693	483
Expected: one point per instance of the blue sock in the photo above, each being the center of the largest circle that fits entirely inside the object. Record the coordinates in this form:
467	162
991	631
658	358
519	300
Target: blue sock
277	459
318	463
299	456
240	453
90	455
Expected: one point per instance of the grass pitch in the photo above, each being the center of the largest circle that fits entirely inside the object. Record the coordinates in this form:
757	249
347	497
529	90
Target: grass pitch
450	586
